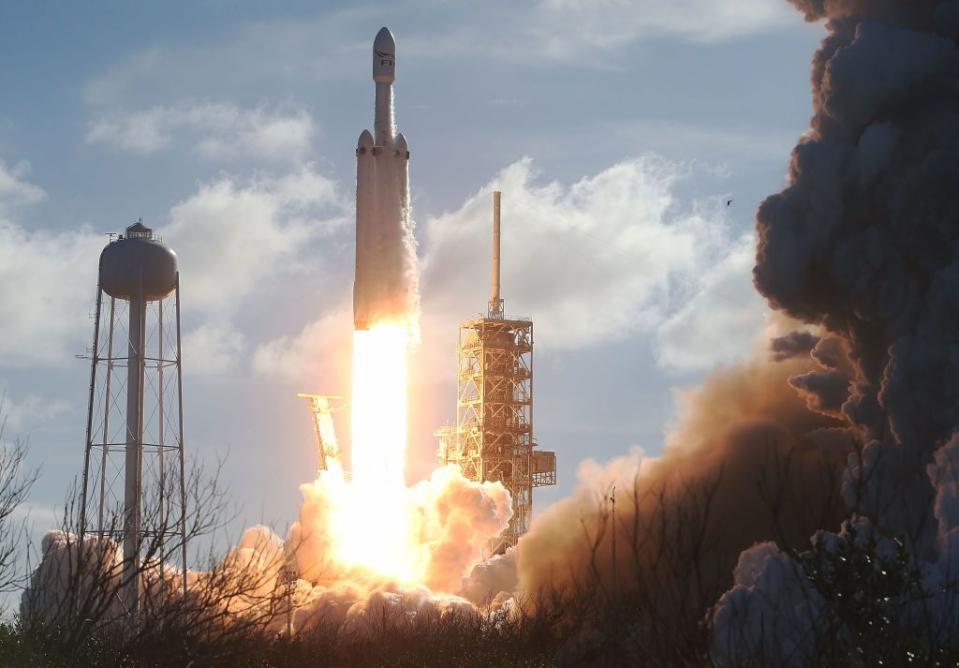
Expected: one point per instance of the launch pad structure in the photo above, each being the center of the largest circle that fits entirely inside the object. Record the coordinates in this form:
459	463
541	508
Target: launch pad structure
322	407
493	437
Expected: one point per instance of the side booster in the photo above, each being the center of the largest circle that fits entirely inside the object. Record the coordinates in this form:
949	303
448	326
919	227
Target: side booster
384	240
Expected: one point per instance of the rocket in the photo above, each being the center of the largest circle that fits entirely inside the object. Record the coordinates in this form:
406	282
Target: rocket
383	285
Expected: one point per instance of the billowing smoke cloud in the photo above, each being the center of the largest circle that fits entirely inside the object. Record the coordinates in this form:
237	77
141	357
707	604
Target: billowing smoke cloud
863	242
794	344
492	581
863	239
827	388
452	521
749	462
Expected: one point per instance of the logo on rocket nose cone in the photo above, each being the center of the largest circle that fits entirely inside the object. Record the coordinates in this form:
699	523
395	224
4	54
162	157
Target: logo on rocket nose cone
384	63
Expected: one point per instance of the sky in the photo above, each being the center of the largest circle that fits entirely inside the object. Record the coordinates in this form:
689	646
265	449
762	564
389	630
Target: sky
632	140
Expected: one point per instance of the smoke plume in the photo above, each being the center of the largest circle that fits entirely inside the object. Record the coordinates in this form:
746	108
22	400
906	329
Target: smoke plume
748	462
863	242
453	520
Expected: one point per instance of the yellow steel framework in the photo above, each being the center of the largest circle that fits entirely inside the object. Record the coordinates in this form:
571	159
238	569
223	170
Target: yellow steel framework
493	438
322	407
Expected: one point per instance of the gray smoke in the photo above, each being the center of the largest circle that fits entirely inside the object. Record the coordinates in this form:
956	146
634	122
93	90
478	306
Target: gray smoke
864	243
747	462
826	389
794	344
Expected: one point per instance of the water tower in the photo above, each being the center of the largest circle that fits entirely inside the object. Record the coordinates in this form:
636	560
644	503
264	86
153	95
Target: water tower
133	473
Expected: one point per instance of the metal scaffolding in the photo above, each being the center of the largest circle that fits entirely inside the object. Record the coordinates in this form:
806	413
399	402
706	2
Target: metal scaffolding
322	407
493	438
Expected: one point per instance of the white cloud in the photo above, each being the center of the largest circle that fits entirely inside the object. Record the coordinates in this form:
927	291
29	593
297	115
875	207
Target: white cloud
597	260
233	237
47	282
316	358
722	319
213	348
14	189
47	285
235	240
311	48
217	131
22	415
587	32
666	136
571	26
576	30
609	256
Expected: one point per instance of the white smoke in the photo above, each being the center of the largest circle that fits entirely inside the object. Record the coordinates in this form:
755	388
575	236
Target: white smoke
493	581
453	520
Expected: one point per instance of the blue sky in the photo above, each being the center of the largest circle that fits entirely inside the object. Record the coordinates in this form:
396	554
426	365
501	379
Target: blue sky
617	130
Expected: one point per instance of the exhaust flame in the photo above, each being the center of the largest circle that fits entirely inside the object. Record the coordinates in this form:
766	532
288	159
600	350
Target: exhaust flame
372	530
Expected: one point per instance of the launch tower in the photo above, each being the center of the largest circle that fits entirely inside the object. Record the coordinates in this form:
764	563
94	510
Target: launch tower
322	407
493	438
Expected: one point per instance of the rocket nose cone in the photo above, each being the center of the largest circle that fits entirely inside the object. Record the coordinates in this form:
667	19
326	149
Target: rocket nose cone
384	57
384	41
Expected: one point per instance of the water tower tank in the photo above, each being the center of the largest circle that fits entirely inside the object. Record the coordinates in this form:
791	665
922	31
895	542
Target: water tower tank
138	265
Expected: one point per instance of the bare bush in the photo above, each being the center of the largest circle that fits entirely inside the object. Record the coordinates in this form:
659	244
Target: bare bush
16	481
75	603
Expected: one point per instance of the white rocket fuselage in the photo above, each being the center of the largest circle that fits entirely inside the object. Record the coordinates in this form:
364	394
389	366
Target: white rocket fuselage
382	285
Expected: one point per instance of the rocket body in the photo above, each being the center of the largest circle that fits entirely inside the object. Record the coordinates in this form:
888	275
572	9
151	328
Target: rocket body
383	287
